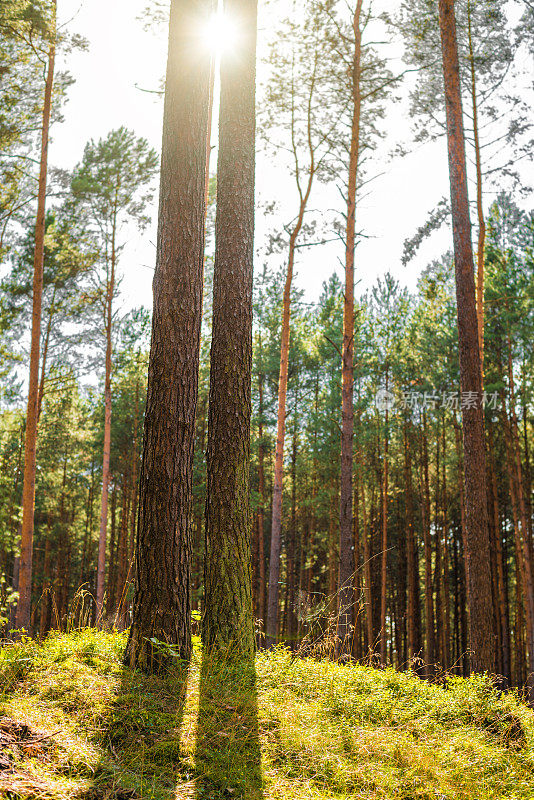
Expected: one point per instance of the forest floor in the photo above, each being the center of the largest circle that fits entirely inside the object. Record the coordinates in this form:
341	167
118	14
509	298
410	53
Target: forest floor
74	723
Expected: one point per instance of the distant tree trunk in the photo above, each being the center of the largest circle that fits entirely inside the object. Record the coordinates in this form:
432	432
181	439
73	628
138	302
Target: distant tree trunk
162	603
367	574
292	544
22	619
357	649
502	599
135	481
346	551
446	566
228	614
112	560
430	653
384	542
480	200
278	478
520	518
438	570
46	345
261	508
44	621
102	537
414	632
122	556
481	634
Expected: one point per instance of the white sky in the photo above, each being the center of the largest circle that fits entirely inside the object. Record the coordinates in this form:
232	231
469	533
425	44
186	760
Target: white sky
123	59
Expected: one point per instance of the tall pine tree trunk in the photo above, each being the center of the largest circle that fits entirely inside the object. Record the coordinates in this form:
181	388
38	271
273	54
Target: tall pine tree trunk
384	541
102	536
261	507
278	477
481	634
480	201
22	619
162	603
346	551
228	614
430	650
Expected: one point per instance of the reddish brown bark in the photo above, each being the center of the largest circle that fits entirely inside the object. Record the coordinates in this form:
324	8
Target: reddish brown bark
278	477
480	201
481	633
32	418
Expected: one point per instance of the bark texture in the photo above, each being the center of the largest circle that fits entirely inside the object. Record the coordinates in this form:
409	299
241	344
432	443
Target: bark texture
162	607
481	621
22	619
228	616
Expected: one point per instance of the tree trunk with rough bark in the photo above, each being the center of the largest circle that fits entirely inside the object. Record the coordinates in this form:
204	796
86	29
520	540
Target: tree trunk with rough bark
346	549
162	602
22	619
481	633
228	614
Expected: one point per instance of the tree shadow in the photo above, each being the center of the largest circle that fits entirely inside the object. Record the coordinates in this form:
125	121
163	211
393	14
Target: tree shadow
140	736
228	754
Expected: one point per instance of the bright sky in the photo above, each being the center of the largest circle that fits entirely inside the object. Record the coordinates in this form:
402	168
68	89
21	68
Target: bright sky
124	59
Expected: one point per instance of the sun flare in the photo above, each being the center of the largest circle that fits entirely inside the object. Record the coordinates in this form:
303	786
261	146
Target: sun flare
221	33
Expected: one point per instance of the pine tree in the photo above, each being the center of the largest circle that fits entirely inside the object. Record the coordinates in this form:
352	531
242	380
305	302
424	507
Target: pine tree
228	614
162	602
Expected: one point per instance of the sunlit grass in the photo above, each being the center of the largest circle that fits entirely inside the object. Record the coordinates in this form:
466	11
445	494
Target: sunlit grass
325	731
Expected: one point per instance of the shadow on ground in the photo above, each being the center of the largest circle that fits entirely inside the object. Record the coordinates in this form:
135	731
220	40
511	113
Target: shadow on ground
140	736
227	754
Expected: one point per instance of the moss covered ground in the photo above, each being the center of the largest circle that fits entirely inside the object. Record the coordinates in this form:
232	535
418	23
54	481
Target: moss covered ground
75	723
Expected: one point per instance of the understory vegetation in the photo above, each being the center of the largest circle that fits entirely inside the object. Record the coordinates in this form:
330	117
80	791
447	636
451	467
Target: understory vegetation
75	723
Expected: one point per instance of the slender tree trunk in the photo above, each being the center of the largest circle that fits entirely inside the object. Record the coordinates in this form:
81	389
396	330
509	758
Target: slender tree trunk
411	555
135	481
278	478
480	199
45	599
430	654
261	507
384	543
292	544
102	536
446	565
346	552
502	599
481	634
162	602
112	559
520	518
46	345
228	614
22	619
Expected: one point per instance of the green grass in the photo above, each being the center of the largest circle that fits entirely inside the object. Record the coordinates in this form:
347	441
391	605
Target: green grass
324	731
